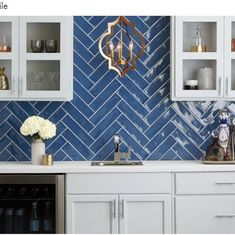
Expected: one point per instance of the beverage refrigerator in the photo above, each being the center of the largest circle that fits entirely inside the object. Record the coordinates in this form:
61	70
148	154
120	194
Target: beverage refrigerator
32	203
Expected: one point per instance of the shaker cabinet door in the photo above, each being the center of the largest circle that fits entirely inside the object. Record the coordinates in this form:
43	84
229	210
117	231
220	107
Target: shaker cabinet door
92	214
145	214
205	214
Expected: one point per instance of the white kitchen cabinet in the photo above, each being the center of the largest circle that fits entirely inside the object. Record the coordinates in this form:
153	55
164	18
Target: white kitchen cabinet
217	32
205	202
119	203
145	214
92	214
37	76
205	214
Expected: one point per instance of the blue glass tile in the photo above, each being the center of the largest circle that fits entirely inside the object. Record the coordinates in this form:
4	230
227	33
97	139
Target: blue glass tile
80	77
82	36
101	71
17	152
71	110
160	137
5	156
163	119
150	20
134	90
186	128
16	110
188	116
136	119
73	153
77	145
105	137
137	79
139	24
105	94
158	110
158	97
95	20
106	108
4	114
102	83
160	151
187	144
84	24
133	102
134	145
159	69
59	156
40	105
105	123
169	155
4	142
50	109
56	145
182	153
77	130
133	130
82	64
82	50
78	102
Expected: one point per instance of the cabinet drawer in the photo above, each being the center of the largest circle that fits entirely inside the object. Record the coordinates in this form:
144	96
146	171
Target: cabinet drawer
205	214
118	183
205	183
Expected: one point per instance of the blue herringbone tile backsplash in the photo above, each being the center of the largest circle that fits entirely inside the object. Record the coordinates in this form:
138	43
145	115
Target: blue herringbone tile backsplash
137	106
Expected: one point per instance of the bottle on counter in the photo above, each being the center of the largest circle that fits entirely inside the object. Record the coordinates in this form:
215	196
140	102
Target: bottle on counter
34	221
47	218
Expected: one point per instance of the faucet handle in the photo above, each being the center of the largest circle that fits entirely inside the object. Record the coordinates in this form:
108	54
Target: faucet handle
128	154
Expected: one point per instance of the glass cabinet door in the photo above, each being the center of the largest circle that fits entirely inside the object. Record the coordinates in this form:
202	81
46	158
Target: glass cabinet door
199	57
229	56
8	57
43	51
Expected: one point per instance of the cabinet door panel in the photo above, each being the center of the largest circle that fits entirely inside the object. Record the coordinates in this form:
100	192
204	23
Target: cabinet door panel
146	214
89	214
46	75
205	214
187	64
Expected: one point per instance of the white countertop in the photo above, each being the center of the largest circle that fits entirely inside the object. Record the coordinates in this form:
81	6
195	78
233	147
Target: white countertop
85	167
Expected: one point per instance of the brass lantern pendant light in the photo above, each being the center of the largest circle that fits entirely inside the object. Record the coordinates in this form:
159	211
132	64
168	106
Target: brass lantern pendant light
122	45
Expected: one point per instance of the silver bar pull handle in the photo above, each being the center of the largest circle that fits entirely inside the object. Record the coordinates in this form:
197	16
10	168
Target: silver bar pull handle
123	208
229	183
21	86
219	87
114	208
225	215
227	86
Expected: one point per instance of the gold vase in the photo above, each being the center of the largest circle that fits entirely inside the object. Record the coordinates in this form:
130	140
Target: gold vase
4	84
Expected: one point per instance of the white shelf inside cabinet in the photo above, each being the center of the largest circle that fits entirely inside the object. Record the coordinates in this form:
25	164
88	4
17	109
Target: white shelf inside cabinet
199	56
43	56
6	55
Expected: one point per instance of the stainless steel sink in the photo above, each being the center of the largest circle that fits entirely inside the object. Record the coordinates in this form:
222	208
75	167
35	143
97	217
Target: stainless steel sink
115	163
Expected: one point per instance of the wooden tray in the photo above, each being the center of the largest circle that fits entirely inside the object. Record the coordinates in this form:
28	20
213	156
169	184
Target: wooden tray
218	162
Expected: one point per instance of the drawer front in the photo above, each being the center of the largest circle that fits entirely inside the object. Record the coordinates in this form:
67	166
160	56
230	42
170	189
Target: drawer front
205	214
205	183
118	183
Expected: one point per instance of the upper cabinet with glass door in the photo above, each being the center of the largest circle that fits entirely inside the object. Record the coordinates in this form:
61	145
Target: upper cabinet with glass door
44	51
197	58
229	56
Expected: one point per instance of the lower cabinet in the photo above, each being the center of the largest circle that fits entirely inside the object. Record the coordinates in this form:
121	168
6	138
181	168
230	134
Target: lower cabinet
118	214
205	214
205	202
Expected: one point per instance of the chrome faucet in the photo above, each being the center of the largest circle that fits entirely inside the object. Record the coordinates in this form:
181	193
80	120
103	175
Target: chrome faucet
120	156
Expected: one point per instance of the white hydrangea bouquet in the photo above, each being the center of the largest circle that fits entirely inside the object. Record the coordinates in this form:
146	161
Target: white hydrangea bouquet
38	127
